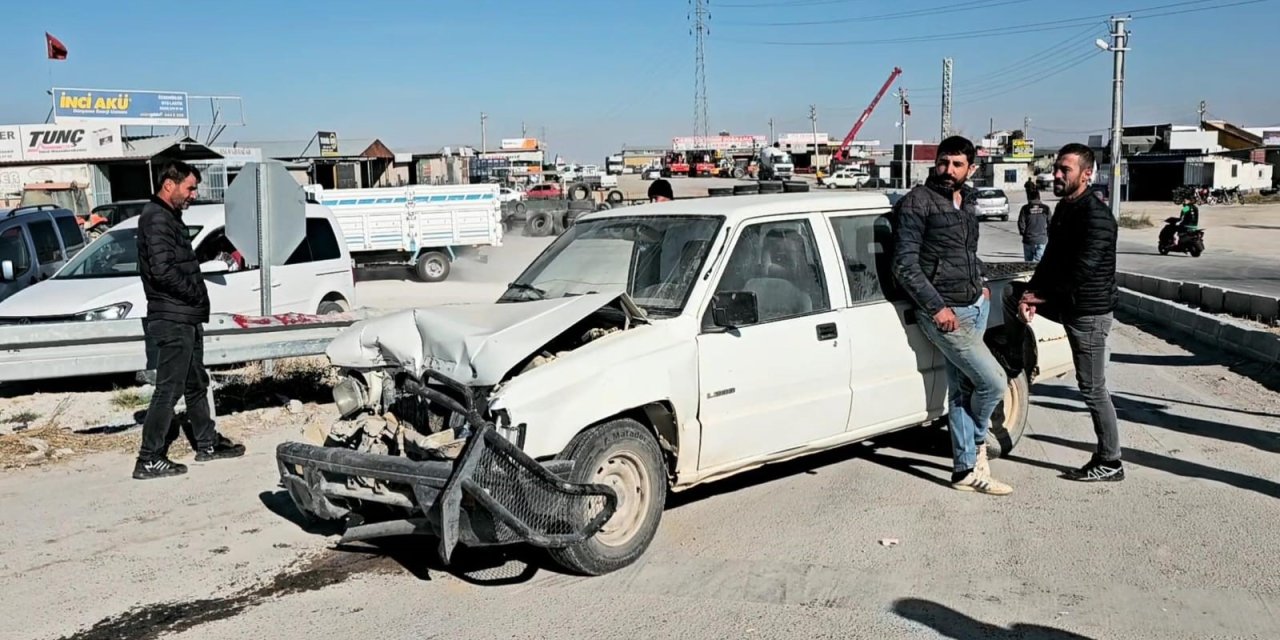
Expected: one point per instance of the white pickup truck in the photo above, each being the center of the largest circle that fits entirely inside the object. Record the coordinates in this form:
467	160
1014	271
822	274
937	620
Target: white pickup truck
647	350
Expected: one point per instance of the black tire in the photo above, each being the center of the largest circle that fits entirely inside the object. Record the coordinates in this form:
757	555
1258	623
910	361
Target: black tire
539	225
433	266
579	192
520	208
618	453
739	172
795	186
771	186
719	192
1164	251
1004	218
330	307
604	206
615	197
1196	251
746	189
830	185
1008	425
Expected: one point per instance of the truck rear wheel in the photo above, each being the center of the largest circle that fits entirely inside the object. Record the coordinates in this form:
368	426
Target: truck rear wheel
621	454
1010	419
433	266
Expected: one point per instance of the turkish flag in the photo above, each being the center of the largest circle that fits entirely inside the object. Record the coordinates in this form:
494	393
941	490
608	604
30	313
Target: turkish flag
57	50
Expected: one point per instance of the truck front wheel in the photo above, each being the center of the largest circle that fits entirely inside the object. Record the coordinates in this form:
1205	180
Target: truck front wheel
621	454
433	266
1010	419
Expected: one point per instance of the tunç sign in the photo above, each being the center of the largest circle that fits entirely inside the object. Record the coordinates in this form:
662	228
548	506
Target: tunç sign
45	142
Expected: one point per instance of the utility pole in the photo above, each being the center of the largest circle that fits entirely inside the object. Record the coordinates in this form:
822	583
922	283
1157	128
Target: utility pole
771	138
1026	127
484	141
813	120
905	163
1119	45
523	134
1204	108
946	98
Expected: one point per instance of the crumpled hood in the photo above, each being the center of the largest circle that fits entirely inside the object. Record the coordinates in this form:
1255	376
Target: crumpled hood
473	344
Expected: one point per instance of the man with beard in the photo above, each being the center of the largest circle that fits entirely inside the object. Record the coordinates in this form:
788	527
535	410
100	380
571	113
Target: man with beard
936	262
1075	285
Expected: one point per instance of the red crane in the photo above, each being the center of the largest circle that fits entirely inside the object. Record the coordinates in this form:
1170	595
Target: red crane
844	146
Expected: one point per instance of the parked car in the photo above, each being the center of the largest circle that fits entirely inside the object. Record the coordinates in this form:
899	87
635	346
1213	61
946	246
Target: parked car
35	241
544	191
105	216
992	203
102	281
510	195
649	349
651	173
847	178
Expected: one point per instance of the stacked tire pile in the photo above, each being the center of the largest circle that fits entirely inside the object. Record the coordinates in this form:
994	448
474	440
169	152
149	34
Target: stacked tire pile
762	187
580	201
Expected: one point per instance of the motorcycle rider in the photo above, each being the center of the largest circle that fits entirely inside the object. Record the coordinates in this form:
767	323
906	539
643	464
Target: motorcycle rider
1189	216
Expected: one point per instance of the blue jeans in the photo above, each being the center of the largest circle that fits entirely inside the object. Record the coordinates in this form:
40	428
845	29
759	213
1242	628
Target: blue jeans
975	380
1033	252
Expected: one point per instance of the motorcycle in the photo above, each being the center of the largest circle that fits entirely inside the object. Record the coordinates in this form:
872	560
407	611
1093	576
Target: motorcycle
1190	240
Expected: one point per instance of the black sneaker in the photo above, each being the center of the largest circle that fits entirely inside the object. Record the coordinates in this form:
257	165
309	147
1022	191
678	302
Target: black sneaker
158	468
1097	471
223	448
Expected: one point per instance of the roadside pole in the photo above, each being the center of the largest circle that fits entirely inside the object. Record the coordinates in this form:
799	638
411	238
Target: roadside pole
1119	45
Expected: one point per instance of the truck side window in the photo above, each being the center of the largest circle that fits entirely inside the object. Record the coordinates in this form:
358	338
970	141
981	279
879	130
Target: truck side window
779	262
866	245
13	247
46	241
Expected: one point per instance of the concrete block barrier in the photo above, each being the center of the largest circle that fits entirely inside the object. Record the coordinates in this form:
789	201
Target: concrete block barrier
1228	334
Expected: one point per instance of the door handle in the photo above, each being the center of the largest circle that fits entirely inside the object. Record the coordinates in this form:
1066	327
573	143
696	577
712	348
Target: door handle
827	331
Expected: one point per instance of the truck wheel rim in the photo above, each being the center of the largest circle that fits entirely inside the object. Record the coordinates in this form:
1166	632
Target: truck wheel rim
434	268
627	476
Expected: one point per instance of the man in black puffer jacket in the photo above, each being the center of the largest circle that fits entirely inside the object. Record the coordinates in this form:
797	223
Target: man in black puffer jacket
1075	285
177	308
936	263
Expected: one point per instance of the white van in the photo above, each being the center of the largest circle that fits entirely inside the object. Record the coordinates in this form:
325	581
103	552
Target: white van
102	282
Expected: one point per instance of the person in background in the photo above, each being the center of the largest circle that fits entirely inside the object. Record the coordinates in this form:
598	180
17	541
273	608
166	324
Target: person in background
1075	285
1033	191
936	262
660	191
177	308
1189	216
1033	226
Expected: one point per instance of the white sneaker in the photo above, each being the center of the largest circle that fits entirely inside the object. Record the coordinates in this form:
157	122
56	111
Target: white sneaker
982	484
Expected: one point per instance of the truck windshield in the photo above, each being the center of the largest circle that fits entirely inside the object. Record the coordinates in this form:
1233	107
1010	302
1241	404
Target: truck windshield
654	258
113	255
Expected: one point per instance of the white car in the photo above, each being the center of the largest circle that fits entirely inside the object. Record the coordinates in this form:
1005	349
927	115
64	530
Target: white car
649	349
847	178
102	282
651	173
992	203
510	195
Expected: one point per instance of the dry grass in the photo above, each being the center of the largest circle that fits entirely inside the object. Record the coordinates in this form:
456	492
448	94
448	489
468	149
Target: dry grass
1255	198
129	399
1131	221
22	417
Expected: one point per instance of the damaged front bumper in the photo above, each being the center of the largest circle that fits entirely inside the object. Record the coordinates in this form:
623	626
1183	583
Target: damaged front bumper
492	493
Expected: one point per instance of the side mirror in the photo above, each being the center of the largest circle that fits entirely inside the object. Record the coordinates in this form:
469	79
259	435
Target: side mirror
6	270
214	266
732	309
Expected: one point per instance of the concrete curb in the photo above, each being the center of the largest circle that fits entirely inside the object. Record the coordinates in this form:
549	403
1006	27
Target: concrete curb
1264	309
1223	333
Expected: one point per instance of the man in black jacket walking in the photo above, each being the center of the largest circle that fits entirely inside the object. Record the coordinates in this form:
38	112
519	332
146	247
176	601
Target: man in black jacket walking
1033	225
177	308
936	262
1075	284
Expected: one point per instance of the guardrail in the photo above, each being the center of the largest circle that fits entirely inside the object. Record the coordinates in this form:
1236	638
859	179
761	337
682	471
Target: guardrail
70	349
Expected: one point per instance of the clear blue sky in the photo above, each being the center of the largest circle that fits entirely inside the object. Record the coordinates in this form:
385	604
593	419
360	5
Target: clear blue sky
600	74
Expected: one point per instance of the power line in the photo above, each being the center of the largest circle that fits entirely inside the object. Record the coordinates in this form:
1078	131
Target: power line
1056	70
897	15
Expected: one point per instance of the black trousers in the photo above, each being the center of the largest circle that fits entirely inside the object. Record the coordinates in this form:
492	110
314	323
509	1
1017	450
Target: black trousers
178	349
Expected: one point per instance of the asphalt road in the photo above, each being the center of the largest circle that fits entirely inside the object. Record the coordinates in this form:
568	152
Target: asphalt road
1185	548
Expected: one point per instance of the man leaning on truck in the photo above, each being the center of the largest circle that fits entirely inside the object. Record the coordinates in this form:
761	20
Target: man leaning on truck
936	262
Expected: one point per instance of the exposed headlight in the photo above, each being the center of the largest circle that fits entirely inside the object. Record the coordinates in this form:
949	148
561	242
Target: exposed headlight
350	396
111	312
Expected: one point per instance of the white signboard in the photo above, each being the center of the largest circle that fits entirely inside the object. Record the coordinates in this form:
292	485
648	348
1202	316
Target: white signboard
238	156
717	143
798	139
51	142
1271	138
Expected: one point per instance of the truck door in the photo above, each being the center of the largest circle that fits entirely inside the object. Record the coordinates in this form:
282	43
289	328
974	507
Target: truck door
782	382
895	368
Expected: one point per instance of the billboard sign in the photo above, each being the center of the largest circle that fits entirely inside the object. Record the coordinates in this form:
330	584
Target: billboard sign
159	108
238	156
1023	148
519	144
799	139
1271	138
52	142
328	143
717	143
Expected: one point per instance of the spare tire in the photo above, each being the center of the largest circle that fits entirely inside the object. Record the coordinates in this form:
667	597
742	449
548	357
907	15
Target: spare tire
604	206
795	186
521	208
716	192
615	197
770	186
746	189
582	205
579	192
539	225
739	172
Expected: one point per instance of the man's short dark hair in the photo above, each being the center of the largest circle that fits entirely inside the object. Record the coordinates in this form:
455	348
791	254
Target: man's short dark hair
957	145
177	171
662	188
1081	151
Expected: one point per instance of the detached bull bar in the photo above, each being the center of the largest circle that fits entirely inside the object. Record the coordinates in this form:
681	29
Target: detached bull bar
492	493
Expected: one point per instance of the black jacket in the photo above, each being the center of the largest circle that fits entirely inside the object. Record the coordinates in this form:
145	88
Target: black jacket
936	248
170	272
1033	223
1078	272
